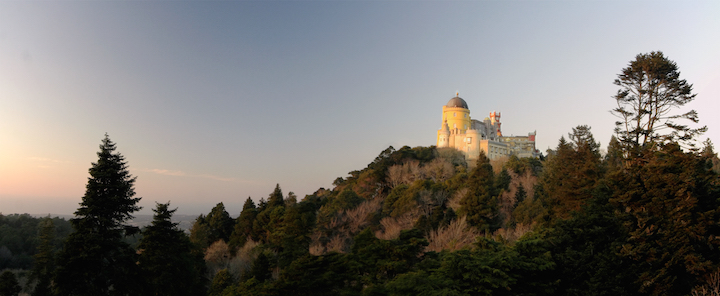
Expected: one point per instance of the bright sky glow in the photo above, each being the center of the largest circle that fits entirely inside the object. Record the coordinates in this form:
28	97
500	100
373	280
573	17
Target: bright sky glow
218	101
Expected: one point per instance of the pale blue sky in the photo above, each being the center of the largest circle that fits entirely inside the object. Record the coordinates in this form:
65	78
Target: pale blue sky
218	101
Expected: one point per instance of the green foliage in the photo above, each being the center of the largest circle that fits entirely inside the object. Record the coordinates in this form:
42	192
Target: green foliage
571	174
502	180
217	225
243	228
528	210
671	206
620	226
95	260
440	216
330	274
480	202
293	237
169	263
261	268
650	87
222	280
19	240
490	269
276	197
521	165
200	233
9	285
345	200
403	198
381	260
270	216
586	248
220	223
373	180
44	264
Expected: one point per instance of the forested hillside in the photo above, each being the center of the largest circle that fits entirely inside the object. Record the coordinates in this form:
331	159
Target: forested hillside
640	218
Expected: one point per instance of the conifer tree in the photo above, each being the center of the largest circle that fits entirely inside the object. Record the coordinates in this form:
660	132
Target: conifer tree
480	202
571	173
9	285
169	264
221	225
95	260
276	197
670	203
200	233
243	225
44	264
650	88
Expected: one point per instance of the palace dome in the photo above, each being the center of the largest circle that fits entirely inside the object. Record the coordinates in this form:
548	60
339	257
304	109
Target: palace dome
457	102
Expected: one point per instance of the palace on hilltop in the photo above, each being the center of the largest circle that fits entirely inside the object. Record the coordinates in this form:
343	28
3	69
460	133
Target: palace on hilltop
471	136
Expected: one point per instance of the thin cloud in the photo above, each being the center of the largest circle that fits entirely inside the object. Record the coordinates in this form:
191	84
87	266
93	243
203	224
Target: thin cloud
167	172
204	176
217	178
42	159
46	163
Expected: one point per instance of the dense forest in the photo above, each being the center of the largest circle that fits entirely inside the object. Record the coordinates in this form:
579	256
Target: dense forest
639	218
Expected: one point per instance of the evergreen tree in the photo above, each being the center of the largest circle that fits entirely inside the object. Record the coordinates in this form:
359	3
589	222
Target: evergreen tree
95	260
44	264
220	282
8	284
269	217
586	249
571	174
614	157
670	203
217	225
650	88
220	223
169	264
243	225
200	233
276	197
480	202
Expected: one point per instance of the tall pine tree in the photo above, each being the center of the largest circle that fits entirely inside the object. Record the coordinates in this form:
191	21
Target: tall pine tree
170	266
95	260
480	202
571	174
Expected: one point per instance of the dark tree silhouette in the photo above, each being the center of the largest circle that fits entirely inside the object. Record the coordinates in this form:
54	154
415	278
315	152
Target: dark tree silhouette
95	260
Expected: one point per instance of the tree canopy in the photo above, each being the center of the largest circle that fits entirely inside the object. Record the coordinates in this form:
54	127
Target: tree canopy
650	88
95	260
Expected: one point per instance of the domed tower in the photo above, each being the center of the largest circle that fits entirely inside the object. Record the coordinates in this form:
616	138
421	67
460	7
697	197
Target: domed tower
456	120
457	115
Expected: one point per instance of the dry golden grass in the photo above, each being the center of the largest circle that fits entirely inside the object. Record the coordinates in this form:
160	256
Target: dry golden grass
455	236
